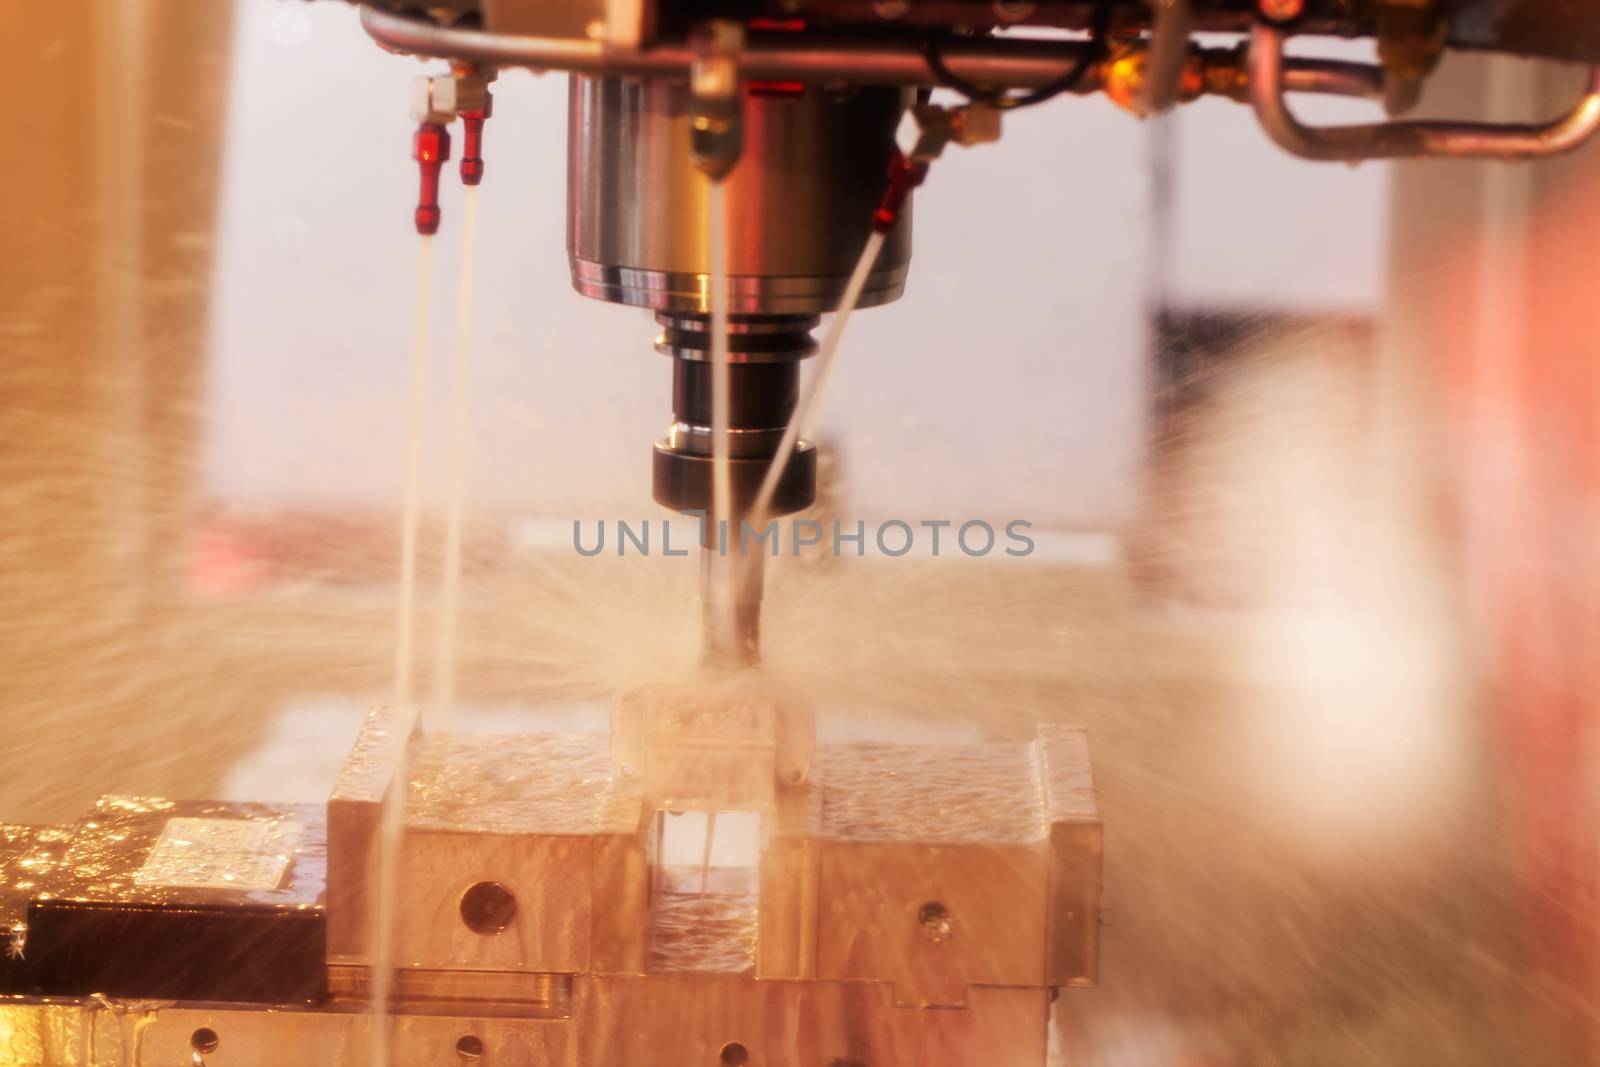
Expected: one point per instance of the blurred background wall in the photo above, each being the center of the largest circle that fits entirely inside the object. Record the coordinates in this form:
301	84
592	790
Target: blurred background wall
1496	323
111	164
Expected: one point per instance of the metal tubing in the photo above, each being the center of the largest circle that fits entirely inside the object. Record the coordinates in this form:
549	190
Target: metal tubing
1001	63
1009	64
1333	77
1406	140
1169	52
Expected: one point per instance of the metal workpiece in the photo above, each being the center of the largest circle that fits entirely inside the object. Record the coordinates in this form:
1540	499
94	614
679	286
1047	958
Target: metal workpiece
662	1021
799	201
862	810
539	919
541	817
565	825
1407	139
171	899
726	743
29	857
112	1032
906	903
355	815
894	860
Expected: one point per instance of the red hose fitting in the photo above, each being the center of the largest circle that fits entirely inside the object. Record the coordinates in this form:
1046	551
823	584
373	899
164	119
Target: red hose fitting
472	142
430	147
904	176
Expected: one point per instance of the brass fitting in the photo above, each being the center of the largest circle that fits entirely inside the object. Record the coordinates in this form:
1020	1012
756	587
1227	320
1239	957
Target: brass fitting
967	125
716	129
1206	72
1411	37
440	98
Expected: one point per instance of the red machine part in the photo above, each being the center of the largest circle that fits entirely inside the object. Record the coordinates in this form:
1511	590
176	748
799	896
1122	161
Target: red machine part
472	142
904	176
430	147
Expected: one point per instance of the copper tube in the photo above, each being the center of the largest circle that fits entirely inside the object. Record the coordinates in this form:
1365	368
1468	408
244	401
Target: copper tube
999	62
1402	140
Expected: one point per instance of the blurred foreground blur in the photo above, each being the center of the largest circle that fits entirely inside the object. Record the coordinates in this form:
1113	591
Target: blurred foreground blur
1339	676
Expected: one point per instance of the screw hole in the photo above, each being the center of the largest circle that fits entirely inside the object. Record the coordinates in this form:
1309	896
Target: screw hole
204	1040
469	1049
488	908
935	920
734	1055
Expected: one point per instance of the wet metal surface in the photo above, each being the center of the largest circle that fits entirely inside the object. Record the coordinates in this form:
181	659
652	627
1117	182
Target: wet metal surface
551	784
27	856
154	852
931	794
181	900
704	933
